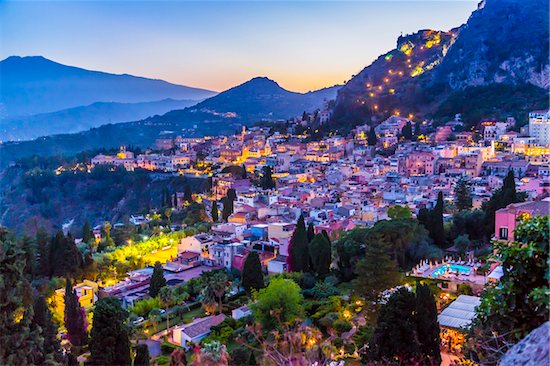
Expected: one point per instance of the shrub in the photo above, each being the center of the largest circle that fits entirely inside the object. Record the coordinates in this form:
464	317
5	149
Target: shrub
342	326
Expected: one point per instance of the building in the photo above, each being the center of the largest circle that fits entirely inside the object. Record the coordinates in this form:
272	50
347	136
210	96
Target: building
506	218
195	331
455	319
86	292
539	126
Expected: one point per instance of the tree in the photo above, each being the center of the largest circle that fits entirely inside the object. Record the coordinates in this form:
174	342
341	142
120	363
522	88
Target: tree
407	131
175	200
28	248
371	137
142	355
110	336
166	298
168	214
109	243
20	342
65	258
519	303
463	197
228	203
427	326
501	198
321	255
187	194
87	234
157	280
376	272
298	258
163	200
42	320
217	283
267	181
397	212
75	317
310	232
395	336
214	211
252	276
278	303
43	246
244	175
438	229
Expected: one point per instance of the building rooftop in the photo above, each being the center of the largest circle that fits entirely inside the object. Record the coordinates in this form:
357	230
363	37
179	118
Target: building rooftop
460	313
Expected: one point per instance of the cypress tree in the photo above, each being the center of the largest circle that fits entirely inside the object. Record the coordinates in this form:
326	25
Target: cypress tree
310	232
244	175
267	181
187	194
109	342
65	258
427	326
298	258
371	137
28	248
252	276
157	280
163	202
42	320
43	246
75	317
142	355
407	131
320	253
437	221
214	211
87	234
463	197
175	200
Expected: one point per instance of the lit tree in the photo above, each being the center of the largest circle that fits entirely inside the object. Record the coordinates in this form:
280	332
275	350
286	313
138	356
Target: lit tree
75	317
108	240
168	214
157	280
278	303
42	320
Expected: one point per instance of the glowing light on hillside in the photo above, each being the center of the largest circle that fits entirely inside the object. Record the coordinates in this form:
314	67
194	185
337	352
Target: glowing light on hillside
400	73
388	57
411	116
396	112
368	85
379	88
375	107
371	94
392	91
386	80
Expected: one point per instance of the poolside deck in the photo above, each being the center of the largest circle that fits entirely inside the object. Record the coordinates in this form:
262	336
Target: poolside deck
426	270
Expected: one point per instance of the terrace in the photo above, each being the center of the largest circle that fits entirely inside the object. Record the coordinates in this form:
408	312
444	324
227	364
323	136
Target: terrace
453	271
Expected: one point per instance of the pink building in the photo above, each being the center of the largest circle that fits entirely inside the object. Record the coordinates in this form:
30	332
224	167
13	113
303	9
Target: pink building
506	218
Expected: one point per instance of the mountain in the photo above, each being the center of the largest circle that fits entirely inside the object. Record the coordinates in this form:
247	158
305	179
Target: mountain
32	85
82	118
224	113
495	65
257	99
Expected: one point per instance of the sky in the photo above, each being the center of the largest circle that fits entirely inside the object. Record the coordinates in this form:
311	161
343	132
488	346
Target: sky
303	45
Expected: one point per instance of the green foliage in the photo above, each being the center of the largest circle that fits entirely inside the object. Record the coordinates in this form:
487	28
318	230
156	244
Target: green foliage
252	275
266	180
341	326
407	328
157	280
322	290
463	196
215	286
143	307
501	198
396	212
65	259
280	302
21	341
142	355
75	317
519	303
433	221
298	256
462	243
320	254
469	223
109	341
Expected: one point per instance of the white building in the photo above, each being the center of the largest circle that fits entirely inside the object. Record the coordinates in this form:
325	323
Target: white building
196	331
539	126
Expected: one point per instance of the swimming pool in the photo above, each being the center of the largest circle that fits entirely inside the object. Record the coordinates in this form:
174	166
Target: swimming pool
451	267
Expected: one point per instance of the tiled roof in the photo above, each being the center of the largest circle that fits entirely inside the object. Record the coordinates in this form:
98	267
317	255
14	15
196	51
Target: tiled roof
202	326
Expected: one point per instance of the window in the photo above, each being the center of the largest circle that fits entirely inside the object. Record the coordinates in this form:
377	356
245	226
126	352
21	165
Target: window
503	233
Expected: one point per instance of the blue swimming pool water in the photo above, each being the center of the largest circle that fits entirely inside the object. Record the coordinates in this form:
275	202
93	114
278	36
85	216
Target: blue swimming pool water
453	268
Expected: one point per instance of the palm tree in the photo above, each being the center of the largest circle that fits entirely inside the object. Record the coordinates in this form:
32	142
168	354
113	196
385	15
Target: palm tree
166	297
218	284
168	214
154	318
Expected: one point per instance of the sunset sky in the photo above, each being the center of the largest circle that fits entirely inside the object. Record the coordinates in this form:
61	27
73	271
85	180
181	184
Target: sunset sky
304	45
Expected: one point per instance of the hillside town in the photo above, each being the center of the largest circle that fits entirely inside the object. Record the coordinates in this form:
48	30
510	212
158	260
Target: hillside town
264	183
